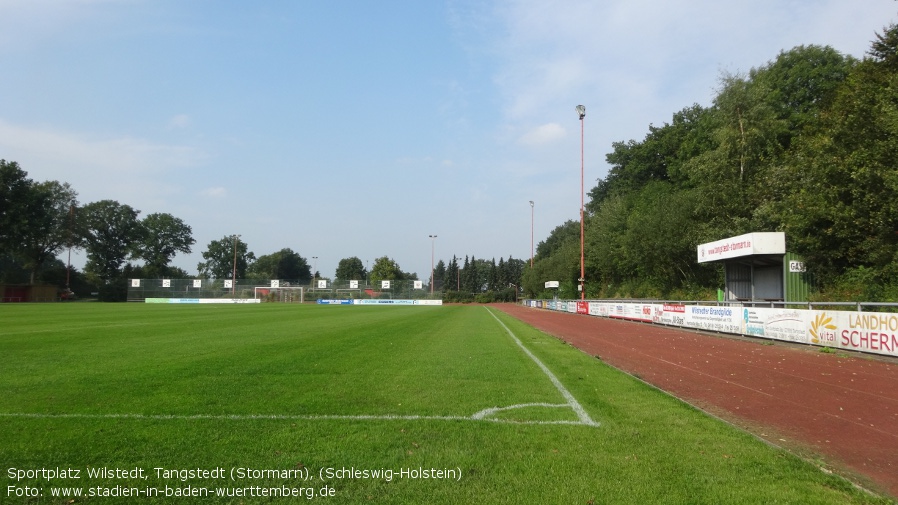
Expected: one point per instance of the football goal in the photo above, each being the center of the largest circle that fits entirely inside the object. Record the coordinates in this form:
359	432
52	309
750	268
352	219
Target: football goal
287	294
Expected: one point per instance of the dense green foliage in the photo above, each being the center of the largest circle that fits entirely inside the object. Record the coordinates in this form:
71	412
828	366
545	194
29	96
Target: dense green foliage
284	264
163	237
38	220
351	269
806	144
35	223
479	280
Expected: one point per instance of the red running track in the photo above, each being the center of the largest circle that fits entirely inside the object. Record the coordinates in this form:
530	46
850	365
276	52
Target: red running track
843	408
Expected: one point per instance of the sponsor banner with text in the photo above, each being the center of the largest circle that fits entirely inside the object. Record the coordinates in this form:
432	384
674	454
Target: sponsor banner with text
201	300
870	332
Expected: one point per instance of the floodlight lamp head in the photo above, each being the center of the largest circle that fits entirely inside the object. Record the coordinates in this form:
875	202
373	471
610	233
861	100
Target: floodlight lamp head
531	203
582	111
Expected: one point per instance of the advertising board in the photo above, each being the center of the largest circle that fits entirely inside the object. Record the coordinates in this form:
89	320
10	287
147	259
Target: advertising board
870	332
201	300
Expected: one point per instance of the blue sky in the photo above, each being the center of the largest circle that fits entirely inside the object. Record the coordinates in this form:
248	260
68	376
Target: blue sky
355	128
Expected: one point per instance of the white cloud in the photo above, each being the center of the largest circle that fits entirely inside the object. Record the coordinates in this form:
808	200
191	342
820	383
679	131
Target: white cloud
214	192
133	170
542	135
127	154
179	121
643	53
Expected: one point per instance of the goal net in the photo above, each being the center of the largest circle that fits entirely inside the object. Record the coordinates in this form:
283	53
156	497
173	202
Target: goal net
287	294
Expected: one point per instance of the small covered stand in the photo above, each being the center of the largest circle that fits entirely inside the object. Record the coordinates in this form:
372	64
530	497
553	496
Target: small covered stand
756	266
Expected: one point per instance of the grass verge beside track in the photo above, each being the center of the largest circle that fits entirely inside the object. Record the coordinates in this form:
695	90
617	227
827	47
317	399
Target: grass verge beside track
358	390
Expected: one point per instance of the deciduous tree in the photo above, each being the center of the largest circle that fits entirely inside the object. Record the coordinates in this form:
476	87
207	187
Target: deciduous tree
163	237
109	232
351	269
385	269
48	212
220	259
14	184
284	264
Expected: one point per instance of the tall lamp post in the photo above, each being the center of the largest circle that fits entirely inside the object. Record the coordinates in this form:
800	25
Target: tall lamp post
581	110
68	267
234	271
314	270
531	233
432	246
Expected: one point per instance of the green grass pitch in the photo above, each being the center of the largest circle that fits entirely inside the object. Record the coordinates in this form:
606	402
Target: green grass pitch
445	405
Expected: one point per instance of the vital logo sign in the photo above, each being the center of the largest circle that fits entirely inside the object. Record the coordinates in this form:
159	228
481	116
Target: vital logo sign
822	330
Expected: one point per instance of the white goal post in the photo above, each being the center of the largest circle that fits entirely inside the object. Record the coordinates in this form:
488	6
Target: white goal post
285	294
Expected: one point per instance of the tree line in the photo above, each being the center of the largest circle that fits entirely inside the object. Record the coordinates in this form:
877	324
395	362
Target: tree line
473	279
39	220
806	144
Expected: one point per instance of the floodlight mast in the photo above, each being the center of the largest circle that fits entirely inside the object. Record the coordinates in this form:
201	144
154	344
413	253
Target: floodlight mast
68	267
234	271
432	246
531	233
581	111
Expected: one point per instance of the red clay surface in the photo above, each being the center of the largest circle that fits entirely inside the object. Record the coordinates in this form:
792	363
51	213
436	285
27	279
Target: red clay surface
840	408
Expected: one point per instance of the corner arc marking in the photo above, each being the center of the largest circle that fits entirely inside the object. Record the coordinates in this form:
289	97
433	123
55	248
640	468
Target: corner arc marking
574	404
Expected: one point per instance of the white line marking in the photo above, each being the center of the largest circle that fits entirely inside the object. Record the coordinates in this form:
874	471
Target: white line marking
494	410
273	417
70	327
574	404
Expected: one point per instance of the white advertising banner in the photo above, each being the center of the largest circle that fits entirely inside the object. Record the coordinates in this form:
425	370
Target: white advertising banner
875	332
631	311
202	300
673	314
743	245
775	323
599	309
713	318
383	302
